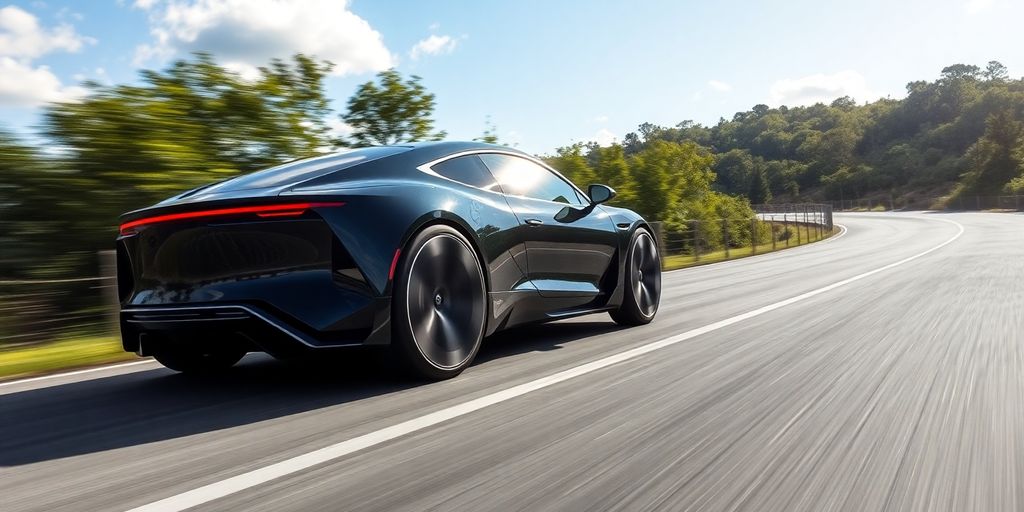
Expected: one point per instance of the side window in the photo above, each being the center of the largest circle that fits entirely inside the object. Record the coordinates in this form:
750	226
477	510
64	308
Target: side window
468	170
521	177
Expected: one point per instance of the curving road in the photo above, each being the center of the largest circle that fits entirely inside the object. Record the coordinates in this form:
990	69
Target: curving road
881	370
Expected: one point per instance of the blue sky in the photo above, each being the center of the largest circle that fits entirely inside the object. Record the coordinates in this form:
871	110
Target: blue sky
547	73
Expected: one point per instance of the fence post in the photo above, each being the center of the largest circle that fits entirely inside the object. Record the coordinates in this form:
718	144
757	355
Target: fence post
796	223
659	235
785	227
977	201
753	235
696	240
725	236
108	270
1017	203
771	224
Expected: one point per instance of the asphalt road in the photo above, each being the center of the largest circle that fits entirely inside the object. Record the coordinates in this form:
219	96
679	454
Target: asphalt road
893	380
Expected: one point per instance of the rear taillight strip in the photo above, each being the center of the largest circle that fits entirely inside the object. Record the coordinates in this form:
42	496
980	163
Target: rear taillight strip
269	210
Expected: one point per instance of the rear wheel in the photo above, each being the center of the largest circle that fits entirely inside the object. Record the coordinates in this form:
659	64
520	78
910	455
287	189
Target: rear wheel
439	304
202	358
642	281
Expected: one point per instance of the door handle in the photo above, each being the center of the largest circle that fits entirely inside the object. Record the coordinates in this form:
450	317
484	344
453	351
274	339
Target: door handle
534	222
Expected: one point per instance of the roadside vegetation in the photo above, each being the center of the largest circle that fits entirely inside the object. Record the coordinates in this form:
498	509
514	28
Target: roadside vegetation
43	358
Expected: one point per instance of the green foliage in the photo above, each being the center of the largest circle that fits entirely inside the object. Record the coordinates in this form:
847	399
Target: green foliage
932	139
391	111
994	160
760	192
490	134
196	122
571	162
611	168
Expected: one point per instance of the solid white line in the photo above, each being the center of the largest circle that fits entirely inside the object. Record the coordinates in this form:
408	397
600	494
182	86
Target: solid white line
217	490
77	372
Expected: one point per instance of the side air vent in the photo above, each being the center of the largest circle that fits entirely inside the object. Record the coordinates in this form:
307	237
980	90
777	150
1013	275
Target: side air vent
344	268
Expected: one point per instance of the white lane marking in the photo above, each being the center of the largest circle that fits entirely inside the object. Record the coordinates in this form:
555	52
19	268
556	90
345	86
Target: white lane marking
77	372
217	490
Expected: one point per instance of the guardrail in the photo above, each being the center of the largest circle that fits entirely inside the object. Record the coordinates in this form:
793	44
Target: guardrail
40	311
774	227
910	202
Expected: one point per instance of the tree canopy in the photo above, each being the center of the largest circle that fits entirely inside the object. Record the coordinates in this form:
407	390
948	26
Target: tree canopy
947	136
391	111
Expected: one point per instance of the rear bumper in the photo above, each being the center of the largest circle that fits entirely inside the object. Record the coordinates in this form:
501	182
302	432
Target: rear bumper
283	284
265	331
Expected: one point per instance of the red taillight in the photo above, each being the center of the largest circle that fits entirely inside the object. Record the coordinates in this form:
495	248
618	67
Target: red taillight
269	210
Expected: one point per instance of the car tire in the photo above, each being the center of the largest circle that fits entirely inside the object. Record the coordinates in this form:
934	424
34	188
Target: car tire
439	305
199	358
641	281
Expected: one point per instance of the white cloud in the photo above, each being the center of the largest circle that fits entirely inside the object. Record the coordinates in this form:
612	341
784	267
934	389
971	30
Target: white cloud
604	137
22	85
244	34
821	88
433	45
601	119
22	37
719	85
976	6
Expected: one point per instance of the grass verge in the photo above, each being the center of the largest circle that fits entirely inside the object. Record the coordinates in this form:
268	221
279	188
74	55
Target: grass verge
61	355
807	236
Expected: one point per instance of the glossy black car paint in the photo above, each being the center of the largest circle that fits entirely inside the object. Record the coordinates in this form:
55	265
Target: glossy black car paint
321	279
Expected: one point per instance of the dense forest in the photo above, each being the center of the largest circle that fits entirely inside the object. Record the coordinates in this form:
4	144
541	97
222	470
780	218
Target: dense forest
960	134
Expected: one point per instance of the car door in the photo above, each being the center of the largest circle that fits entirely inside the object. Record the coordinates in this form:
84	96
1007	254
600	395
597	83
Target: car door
570	243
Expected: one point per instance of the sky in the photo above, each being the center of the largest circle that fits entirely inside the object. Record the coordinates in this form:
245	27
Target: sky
545	73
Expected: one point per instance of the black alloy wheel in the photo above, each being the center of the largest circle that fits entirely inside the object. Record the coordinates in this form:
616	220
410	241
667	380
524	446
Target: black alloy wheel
642	281
439	304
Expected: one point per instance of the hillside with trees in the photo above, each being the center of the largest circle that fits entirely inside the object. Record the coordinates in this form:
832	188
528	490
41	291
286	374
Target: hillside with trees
960	134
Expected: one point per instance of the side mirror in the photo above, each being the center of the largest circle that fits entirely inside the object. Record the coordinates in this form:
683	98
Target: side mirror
600	193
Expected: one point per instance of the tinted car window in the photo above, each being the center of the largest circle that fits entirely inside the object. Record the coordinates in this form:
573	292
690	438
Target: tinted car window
467	169
521	177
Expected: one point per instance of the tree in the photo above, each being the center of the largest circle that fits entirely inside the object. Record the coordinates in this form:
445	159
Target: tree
666	173
612	169
490	134
960	72
573	165
760	192
995	159
391	111
124	147
995	71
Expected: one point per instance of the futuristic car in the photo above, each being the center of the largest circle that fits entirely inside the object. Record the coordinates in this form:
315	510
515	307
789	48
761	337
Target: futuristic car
424	249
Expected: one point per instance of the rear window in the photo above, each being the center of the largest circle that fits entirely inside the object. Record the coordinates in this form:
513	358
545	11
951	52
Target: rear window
302	170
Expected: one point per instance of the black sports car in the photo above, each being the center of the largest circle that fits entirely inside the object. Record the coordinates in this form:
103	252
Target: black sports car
424	249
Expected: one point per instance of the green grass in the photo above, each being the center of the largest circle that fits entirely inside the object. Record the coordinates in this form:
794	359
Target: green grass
61	355
807	235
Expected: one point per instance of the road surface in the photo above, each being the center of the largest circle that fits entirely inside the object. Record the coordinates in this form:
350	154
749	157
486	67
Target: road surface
881	370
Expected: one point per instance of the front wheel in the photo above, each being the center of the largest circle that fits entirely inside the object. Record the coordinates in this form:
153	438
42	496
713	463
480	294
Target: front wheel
439	305
642	281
